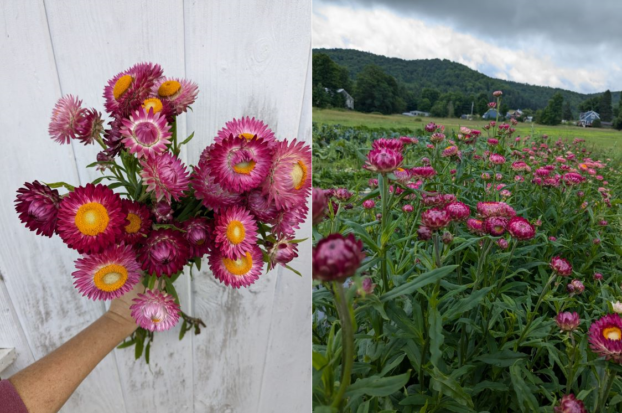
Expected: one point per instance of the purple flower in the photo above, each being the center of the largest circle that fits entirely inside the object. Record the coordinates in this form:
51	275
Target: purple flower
337	257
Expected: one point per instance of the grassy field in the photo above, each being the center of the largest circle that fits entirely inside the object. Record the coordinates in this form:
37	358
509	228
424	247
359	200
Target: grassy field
604	139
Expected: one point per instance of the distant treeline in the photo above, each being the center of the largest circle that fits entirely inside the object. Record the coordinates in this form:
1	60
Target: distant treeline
441	87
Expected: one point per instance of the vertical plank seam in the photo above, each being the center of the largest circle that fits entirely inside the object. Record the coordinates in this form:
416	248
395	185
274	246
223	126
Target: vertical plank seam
77	172
280	272
190	290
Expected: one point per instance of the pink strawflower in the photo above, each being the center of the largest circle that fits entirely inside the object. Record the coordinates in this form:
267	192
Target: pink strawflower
288	221
337	257
383	160
447	238
493	142
521	229
165	175
145	134
155	310
450	151
260	207
163	212
107	275
561	266
206	188
605	337
476	226
247	128
495	226
90	127
90	218
369	204
495	209
458	211
66	117
521	166
437	137
431	127
435	218
407	209
164	252
598	276
283	252
567	321
198	235
289	181
126	91
502	243
392	144
235	232
320	205
342	194
423	172
37	206
178	93
138	222
241	272
497	93
423	233
496	159
408	140
569	404
572	178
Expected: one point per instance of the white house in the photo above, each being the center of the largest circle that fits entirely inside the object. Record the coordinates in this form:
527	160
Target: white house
586	118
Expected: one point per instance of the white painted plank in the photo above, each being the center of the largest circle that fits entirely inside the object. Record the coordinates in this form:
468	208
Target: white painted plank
12	334
115	35
289	349
36	269
7	357
251	57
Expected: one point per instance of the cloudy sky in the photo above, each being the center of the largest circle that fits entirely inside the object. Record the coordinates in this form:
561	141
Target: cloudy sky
571	44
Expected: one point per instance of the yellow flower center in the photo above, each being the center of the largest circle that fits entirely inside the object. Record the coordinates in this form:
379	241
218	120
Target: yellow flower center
153	104
121	86
612	333
246	135
236	232
169	88
134	224
110	278
299	174
244	167
92	219
240	266
155	320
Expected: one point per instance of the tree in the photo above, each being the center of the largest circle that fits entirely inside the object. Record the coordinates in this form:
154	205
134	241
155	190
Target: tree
425	105
450	109
481	105
590	104
552	114
606	112
567	113
328	75
431	94
376	91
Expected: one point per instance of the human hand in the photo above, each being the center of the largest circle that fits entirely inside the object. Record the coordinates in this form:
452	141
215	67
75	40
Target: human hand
120	308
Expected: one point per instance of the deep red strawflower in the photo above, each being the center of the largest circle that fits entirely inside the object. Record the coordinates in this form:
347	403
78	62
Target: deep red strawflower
495	226
337	257
165	252
458	211
521	229
435	218
561	266
567	321
37	206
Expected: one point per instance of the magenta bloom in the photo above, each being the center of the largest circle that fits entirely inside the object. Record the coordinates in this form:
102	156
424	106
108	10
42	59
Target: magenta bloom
337	257
138	221
198	235
66	116
383	160
179	94
569	404
239	165
502	243
165	175
605	337
497	93
430	127
393	144
320	205
342	194
435	218
476	226
561	266
423	172
407	209
567	321
575	287
495	226
450	151
437	137
241	272
521	229
369	204
126	91
289	181
572	178
146	134
496	159
423	233
521	166
235	232
90	218
155	310
212	195
495	209
260	207
163	212
288	221
282	253
89	127
37	206
458	211
247	128
165	252
108	274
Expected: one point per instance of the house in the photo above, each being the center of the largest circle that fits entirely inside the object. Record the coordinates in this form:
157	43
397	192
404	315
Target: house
348	99
586	118
514	114
467	117
528	119
490	114
416	113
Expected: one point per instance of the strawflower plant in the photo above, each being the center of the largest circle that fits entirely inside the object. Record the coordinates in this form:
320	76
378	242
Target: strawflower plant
149	216
470	271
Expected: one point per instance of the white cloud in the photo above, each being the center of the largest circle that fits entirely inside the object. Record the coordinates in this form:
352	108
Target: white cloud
383	32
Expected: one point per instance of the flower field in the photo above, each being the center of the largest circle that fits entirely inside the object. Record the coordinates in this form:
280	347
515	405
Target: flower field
465	271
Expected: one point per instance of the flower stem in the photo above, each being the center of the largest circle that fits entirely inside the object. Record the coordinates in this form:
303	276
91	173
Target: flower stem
571	361
535	309
347	339
383	224
604	389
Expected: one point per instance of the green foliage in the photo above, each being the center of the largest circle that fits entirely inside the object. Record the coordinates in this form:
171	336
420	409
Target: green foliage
377	92
606	110
567	112
552	114
597	123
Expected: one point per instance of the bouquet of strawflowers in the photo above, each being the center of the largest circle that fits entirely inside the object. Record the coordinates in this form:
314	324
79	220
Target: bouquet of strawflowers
240	205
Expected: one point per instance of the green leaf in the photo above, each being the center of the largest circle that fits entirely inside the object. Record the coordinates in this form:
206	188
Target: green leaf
526	399
170	288
419	281
504	358
188	139
450	387
325	409
60	185
377	386
126	344
147	351
436	332
465	304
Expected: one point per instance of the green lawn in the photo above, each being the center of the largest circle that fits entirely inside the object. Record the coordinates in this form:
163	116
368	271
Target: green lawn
605	139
